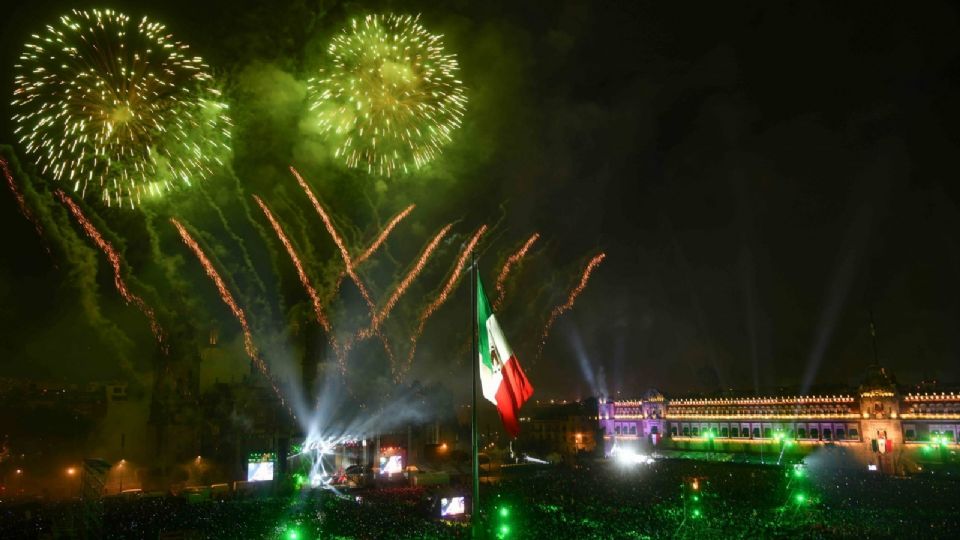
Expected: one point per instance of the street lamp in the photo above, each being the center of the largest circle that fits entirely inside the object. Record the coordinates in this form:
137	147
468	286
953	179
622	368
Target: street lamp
72	472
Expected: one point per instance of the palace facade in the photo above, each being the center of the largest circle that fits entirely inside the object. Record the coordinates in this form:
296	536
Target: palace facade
877	423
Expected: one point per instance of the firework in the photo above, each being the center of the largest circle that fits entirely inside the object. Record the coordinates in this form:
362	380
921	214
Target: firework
225	293
347	263
511	261
407	280
571	298
390	100
304	279
228	299
328	223
382	237
108	104
21	201
114	258
445	292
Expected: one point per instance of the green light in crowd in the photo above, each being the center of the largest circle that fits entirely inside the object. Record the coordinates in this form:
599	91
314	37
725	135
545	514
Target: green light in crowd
696	498
800	498
696	512
504	530
504	511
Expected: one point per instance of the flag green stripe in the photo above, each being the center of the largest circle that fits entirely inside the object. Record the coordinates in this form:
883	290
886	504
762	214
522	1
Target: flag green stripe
484	312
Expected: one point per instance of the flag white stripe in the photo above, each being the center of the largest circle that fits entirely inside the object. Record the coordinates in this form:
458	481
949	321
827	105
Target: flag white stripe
490	380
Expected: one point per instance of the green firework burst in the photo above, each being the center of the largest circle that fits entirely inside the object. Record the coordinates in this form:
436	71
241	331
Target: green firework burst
114	106
391	99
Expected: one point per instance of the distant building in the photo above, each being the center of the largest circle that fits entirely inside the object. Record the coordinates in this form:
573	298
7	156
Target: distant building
565	428
876	423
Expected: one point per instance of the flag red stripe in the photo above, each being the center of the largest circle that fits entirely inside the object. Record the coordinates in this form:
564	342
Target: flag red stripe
514	390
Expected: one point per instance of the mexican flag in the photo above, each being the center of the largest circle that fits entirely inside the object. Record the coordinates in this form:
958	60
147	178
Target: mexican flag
503	382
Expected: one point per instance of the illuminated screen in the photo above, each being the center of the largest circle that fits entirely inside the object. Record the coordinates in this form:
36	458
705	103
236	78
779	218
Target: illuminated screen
260	471
391	465
454	506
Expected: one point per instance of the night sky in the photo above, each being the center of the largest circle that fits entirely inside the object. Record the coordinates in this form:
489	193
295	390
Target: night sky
761	178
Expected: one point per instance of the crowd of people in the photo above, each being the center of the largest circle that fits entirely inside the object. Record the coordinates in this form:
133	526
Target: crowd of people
665	499
732	501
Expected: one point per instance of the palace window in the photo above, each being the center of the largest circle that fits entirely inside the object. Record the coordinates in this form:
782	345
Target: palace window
633	429
756	433
841	434
827	434
724	432
695	431
686	431
673	430
801	433
854	434
734	431
814	433
767	433
949	435
654	430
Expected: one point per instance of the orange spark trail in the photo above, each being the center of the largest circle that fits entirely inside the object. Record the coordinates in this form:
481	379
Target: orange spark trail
512	260
231	303
347	263
344	254
568	305
21	201
225	294
407	280
445	293
311	291
381	238
114	258
383	235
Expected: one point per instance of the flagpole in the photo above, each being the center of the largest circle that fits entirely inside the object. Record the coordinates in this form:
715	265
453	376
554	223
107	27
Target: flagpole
474	363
